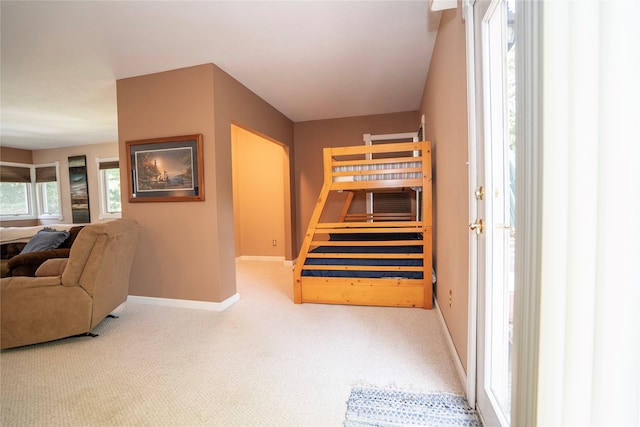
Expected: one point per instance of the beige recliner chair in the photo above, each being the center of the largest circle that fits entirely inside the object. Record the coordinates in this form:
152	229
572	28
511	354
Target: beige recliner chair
70	296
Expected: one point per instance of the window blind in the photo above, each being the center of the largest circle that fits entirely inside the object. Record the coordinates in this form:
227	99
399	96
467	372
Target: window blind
46	174
110	165
392	202
14	174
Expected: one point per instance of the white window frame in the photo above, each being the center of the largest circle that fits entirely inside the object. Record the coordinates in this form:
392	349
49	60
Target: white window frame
39	196
103	190
31	204
370	139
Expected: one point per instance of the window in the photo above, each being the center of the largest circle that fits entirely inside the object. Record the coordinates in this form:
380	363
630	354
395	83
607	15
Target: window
15	194
14	199
29	191
109	178
48	191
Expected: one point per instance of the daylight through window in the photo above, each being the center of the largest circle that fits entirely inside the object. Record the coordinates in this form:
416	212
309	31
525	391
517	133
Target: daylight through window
29	191
109	178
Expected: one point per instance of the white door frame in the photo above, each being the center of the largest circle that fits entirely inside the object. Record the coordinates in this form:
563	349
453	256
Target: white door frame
470	386
528	220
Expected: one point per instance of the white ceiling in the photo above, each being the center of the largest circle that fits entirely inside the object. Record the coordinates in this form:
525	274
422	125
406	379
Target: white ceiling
309	59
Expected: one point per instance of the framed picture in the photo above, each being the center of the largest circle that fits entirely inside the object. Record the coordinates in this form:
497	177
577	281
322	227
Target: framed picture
79	190
166	169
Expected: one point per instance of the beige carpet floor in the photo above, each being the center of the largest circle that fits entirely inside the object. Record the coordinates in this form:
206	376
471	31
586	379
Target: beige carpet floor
262	362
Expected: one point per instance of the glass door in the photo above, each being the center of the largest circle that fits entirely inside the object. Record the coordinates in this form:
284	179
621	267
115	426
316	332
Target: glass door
497	209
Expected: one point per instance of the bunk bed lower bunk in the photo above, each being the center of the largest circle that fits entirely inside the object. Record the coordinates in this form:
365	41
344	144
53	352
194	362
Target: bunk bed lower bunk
362	253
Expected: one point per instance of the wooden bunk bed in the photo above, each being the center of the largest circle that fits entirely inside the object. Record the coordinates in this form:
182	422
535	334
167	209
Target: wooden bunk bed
360	255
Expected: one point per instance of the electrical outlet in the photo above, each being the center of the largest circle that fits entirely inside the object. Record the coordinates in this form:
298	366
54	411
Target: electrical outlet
275	243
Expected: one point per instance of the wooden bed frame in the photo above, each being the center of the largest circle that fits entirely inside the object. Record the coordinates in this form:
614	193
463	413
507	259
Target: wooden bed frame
370	169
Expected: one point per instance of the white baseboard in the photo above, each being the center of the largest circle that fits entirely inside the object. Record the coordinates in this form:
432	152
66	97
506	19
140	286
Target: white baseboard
452	349
260	258
183	303
267	258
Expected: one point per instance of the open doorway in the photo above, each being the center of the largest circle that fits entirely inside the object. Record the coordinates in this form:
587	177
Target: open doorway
260	196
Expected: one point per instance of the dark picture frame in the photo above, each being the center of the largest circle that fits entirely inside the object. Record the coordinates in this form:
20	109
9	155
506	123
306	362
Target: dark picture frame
79	188
166	169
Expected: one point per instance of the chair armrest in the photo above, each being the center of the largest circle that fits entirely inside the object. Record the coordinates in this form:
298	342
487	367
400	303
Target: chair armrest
52	267
27	264
9	250
24	282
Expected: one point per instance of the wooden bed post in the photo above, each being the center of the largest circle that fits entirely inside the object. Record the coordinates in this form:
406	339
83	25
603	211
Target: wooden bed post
427	224
313	222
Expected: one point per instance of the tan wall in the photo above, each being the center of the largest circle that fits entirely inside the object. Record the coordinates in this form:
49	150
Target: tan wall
16	155
176	255
186	249
312	136
235	104
93	152
258	194
444	104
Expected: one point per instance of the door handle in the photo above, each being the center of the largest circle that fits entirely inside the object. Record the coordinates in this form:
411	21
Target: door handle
479	193
477	226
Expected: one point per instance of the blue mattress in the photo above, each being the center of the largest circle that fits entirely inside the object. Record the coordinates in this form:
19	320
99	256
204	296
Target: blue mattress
414	249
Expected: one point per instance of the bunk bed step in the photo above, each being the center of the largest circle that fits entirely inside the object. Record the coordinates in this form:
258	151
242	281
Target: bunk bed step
369	185
366	243
365	255
338	267
386	226
355	292
367	217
